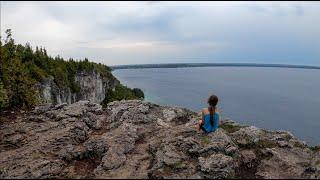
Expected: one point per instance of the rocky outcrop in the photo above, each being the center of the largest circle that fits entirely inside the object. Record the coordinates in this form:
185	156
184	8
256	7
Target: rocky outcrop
91	86
136	139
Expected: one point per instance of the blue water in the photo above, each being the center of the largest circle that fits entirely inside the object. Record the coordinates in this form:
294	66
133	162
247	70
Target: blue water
271	98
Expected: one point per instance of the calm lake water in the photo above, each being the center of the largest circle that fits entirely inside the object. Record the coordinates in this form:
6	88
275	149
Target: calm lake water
271	98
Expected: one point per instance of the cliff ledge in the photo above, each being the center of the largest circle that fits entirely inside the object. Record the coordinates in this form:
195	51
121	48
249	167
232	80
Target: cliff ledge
137	139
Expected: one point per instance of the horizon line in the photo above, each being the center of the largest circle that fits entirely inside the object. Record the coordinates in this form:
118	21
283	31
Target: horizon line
182	65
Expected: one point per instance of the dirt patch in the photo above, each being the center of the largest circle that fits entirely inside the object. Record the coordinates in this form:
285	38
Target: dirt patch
85	167
8	117
247	171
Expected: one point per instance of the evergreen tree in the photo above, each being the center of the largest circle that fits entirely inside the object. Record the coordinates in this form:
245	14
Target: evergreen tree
138	93
3	97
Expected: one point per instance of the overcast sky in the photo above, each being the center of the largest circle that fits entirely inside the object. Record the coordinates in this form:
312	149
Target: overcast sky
169	32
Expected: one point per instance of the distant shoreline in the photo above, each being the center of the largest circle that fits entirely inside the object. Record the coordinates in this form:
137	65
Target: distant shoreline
183	65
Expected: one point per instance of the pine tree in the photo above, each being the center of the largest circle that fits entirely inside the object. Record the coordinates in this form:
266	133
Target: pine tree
3	97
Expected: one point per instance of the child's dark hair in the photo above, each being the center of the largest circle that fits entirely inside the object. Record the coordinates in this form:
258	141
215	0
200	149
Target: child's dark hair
213	100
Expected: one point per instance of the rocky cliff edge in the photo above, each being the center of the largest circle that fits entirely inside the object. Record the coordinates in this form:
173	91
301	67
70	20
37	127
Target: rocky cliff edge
137	139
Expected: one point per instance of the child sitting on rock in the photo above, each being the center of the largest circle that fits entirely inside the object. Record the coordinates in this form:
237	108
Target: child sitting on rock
210	116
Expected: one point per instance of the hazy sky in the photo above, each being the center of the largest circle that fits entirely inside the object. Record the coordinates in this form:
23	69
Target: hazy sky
169	32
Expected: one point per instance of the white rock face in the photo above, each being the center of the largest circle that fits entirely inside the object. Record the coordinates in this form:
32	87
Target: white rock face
93	87
47	93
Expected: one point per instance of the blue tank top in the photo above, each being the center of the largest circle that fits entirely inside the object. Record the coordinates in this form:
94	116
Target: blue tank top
207	124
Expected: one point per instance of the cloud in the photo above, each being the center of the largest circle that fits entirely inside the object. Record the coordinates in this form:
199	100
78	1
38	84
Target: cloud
162	32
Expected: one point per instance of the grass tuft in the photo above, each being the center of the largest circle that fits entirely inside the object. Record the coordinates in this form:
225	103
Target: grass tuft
230	128
205	139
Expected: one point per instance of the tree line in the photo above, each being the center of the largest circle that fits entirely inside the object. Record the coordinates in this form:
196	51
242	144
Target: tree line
21	67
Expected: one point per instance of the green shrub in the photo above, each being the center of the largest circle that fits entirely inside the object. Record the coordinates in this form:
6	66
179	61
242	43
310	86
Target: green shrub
204	139
298	145
3	97
179	165
261	143
315	148
230	128
138	93
120	92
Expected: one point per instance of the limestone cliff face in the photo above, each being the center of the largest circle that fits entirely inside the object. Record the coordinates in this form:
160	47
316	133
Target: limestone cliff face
137	139
92	87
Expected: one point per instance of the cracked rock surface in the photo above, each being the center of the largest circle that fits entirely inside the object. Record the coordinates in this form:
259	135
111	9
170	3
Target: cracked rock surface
137	139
